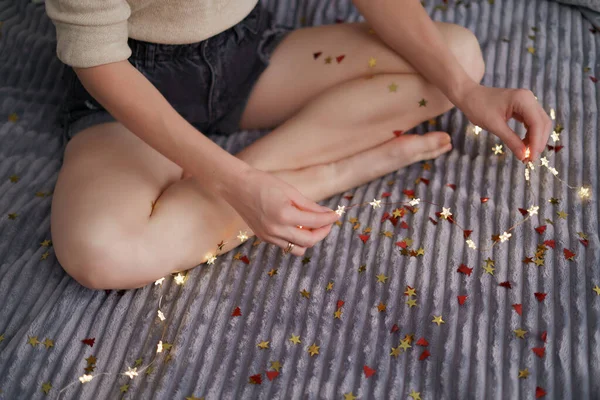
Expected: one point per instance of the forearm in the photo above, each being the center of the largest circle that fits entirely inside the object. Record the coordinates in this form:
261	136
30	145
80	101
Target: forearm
140	107
405	27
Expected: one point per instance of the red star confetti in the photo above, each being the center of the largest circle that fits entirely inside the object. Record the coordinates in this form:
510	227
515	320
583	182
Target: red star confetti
395	328
539	392
339	304
237	312
425	181
368	371
385	216
540	296
90	341
317	54
245	259
539	351
409	193
398	133
528	260
484	200
424	355
518	308
451	186
404	225
556	149
467	233
593	79
463	269
340	58
544	336
541	229
255	379
349	197
505	284
272	374
523	211
569	255
550	243
462	299
386	194
422	342
364	238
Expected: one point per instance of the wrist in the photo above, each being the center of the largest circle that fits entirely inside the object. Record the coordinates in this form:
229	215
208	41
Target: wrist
233	176
460	90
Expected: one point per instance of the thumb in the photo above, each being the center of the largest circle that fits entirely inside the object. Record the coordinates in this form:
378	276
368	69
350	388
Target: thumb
511	139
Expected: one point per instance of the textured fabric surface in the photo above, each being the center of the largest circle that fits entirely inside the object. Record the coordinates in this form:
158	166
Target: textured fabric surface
474	355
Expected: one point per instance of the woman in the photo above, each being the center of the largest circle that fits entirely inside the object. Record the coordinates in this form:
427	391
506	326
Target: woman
143	193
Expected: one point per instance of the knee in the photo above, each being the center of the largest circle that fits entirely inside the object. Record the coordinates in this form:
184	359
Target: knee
465	47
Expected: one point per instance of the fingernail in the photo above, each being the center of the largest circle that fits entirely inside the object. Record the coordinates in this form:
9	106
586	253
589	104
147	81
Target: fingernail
326	209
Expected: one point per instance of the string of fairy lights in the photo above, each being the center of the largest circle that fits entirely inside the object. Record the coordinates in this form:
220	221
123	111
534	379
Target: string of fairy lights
583	192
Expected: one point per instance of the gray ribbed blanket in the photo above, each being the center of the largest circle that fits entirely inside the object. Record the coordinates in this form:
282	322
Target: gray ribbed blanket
475	354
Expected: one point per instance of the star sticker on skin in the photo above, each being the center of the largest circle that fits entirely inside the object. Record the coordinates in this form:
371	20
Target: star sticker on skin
555	136
337	314
393	87
395	351
489	269
411	303
523	373
263	345
328	60
349	396
405	344
372	62
381	278
243	236
375	203
313	349
381	307
438	320
48	343
272	272
46	386
329	286
415	395
596	289
445	213
422	103
497	149
340	210
505	236
295	339
414	202
520	333
533	210
33	341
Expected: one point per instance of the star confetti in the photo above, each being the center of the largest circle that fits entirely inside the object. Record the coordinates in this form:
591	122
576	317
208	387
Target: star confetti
313	349
295	339
33	341
539	351
410	291
349	396
422	103
438	320
539	392
415	395
237	312
372	62
523	373
255	379
340	58
518	308
13	117
405	344
540	296
520	333
48	343
445	213
569	255
461	300
263	345
375	203
463	269
411	303
596	289
305	293
272	375
368	371
381	307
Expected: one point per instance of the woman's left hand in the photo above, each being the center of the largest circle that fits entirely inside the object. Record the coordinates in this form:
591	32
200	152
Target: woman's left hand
491	109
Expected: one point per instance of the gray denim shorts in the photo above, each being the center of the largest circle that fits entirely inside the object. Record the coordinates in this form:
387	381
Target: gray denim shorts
208	82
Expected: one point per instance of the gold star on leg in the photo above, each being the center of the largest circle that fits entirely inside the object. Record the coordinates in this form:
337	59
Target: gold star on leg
422	103
393	87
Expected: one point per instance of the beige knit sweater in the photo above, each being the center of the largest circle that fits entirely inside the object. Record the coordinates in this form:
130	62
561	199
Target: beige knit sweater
95	32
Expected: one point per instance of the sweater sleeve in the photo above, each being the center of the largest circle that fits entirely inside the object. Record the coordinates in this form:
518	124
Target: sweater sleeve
90	32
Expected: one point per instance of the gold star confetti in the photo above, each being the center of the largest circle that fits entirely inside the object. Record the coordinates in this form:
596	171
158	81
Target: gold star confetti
410	291
45	255
263	345
46	243
337	314
85	378
275	365
387	234
243	236
149	370
362	268
398	213
381	307
520	333
13	216
531	50
393	87
295	339
539	262
554	201
329	286
338	223
422	103
340	210
533	210
13	117
46	386
131	372
489	269
375	203
124	388
314	349
33	341
596	289
257	241
438	320
353	220
523	373
395	351
445	213
411	303
328	60
305	293
584	193
381	278
372	62
561	214
1	338
505	236
405	344
349	396
305	260
48	343
497	149
272	272
14	178
420	251
415	395
179	279
138	362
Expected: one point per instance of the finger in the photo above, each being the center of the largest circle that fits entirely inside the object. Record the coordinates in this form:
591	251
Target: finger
283	244
305	204
510	138
308	238
529	109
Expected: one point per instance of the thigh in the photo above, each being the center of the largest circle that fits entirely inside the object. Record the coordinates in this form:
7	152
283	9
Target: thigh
311	60
106	187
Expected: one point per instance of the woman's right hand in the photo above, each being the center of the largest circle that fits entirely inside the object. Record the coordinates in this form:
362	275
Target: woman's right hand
273	210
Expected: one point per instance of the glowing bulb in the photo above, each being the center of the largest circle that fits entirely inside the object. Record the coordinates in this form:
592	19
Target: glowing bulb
85	378
159	347
210	259
477	129
527	153
161	316
340	210
552	114
584	193
179	279
243	236
131	372
505	236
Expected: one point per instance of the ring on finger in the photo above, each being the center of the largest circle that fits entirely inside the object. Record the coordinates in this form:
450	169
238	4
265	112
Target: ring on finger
289	248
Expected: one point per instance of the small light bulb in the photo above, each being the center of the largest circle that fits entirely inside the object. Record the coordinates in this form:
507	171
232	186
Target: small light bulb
477	130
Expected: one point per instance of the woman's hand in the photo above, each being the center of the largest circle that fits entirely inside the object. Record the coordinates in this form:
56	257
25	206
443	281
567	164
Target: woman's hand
274	209
491	109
